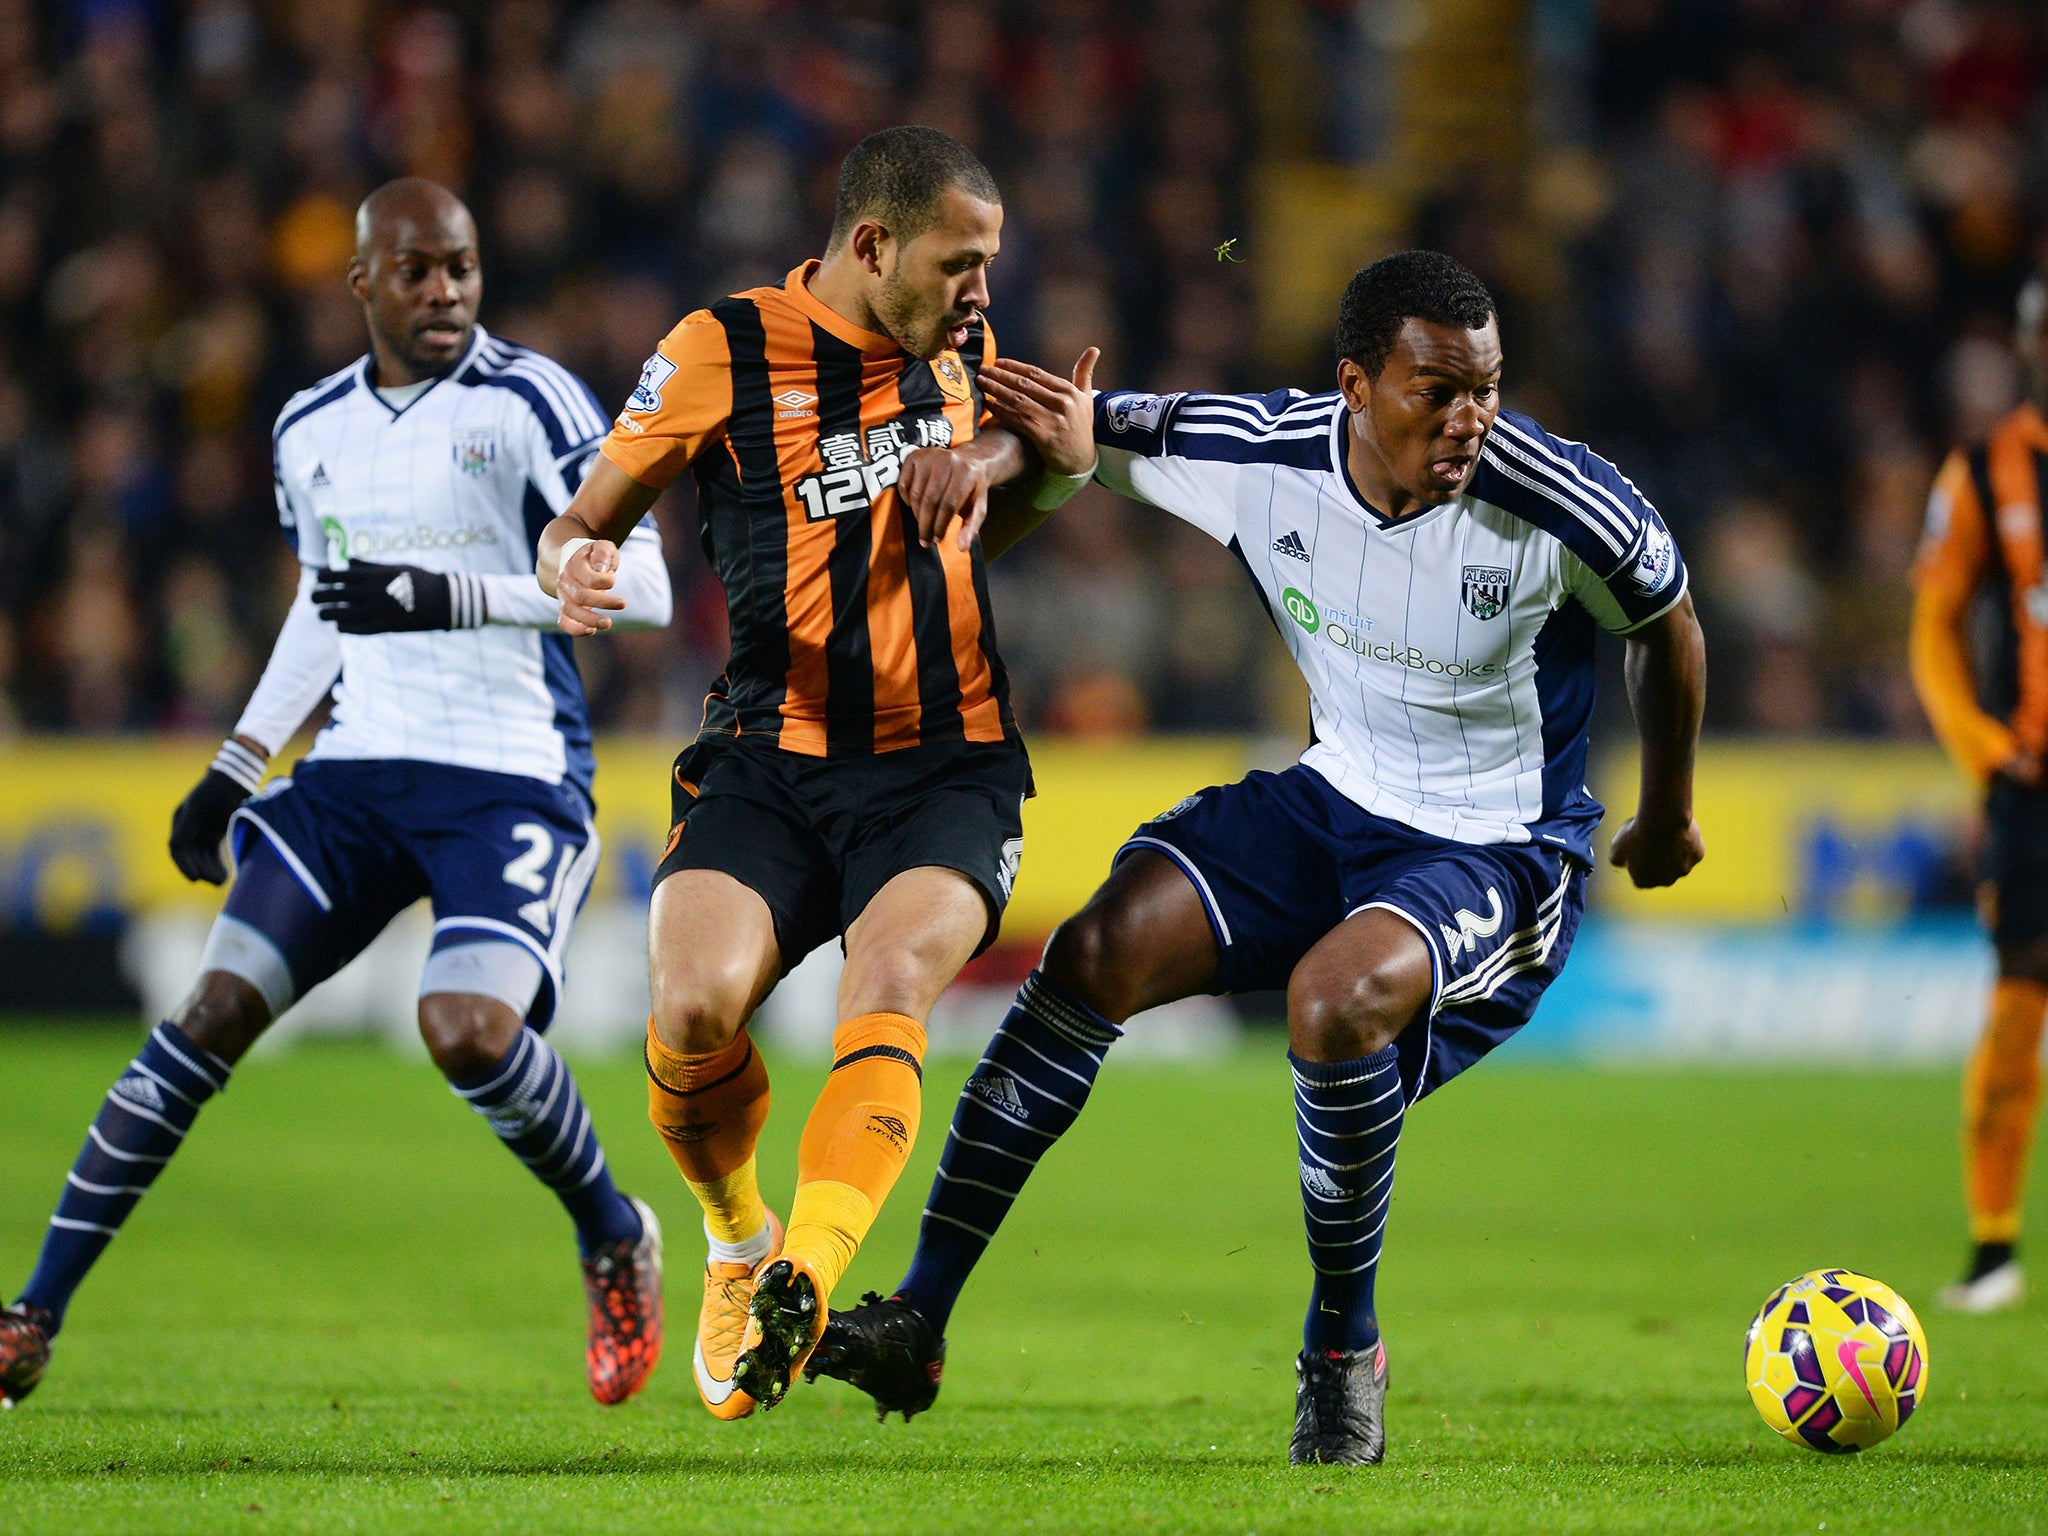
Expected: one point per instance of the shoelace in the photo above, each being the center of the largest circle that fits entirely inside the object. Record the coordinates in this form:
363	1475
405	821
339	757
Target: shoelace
729	1326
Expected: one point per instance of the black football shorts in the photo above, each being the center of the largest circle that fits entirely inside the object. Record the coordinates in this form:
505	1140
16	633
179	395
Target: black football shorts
2015	866
817	837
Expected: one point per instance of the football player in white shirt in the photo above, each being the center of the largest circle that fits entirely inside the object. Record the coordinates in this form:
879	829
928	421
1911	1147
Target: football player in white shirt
457	767
1438	566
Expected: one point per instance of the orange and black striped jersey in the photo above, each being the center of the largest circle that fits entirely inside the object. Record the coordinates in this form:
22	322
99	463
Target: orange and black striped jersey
1984	526
848	636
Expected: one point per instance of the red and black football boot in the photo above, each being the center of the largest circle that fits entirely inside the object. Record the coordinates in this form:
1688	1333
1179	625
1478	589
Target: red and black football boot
24	1350
884	1347
623	1282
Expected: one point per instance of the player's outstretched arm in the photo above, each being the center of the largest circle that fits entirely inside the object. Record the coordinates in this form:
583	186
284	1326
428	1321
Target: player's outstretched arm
1667	689
577	561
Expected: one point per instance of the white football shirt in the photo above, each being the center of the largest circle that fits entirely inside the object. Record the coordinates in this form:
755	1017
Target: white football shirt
462	476
1449	653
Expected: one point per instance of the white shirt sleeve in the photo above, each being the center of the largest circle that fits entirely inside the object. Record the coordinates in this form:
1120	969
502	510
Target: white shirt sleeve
643	582
1134	459
302	668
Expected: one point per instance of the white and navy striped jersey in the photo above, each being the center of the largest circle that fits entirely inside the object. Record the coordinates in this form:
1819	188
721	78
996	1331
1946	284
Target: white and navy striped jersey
462	477
1449	653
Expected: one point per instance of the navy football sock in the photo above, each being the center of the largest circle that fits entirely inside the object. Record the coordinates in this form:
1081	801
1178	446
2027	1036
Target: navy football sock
1347	1115
531	1101
146	1115
1031	1083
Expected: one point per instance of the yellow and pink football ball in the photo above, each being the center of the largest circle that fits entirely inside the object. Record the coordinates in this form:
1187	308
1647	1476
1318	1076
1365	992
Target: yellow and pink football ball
1836	1361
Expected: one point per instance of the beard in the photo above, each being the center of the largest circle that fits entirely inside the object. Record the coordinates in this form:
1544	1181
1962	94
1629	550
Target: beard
907	321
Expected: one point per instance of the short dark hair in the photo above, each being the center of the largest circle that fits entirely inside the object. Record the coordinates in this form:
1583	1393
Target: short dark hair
1408	285
899	175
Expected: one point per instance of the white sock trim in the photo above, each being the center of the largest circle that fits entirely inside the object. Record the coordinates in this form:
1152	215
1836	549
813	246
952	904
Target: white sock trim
750	1252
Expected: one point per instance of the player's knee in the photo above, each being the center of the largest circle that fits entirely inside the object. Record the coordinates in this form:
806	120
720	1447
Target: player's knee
1087	958
702	1011
1332	1017
224	1014
467	1035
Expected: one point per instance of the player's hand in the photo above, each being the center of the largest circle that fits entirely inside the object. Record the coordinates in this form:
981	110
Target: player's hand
585	589
2024	768
1657	854
366	598
199	825
1054	415
941	484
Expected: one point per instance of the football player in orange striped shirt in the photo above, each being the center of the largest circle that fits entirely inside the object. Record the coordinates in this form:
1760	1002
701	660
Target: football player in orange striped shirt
859	775
1984	526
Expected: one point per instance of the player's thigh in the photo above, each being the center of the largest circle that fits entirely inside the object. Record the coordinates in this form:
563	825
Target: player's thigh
1143	939
1359	988
1499	922
508	862
910	941
313	886
1256	857
712	956
2015	870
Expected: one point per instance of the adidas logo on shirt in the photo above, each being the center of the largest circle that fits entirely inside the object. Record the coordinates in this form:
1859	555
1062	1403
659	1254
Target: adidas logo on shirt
319	478
1290	545
999	1091
139	1090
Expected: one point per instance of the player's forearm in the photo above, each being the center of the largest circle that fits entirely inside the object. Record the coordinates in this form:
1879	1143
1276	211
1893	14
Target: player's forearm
1940	660
1667	690
303	665
608	505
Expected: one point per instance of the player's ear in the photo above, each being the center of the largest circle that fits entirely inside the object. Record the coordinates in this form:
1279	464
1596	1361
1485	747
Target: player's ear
1356	387
867	240
359	279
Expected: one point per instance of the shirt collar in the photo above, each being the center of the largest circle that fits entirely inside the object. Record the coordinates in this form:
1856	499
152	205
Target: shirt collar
797	286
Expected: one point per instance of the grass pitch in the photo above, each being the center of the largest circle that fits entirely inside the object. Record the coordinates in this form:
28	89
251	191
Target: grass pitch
345	1307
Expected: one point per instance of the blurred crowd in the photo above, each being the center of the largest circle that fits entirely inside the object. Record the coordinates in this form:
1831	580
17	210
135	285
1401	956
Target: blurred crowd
1785	237
1790	234
176	188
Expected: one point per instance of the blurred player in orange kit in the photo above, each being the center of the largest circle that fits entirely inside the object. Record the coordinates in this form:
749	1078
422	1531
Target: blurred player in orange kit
859	775
1984	526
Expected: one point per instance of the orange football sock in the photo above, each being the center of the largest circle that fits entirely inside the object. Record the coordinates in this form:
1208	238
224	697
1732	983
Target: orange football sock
710	1109
2001	1093
857	1140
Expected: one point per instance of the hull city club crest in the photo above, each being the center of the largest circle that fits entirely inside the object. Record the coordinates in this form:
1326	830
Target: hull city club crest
1486	590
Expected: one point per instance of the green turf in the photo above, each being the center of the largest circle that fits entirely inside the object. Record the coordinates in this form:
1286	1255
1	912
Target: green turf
346	1308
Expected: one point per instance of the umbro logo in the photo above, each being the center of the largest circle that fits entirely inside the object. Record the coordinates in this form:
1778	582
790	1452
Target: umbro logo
137	1089
1290	545
998	1090
795	402
890	1126
319	479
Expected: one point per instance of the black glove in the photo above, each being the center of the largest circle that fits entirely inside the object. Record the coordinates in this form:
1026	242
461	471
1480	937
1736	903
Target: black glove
365	598
200	822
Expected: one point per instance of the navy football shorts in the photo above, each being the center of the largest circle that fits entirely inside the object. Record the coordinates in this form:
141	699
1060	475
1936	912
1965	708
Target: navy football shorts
1280	859
325	859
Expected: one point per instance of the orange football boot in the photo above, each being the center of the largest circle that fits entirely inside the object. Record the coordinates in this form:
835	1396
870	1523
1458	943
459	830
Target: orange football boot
722	1329
785	1320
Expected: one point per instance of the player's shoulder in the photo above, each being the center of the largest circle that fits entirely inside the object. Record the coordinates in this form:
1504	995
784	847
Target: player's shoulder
566	408
337	386
1562	487
1282	427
